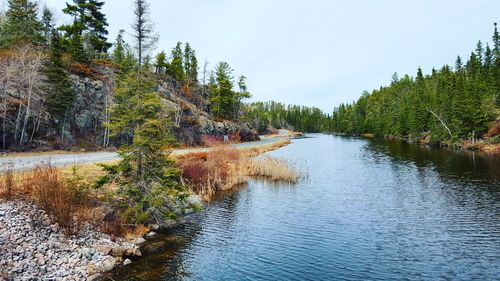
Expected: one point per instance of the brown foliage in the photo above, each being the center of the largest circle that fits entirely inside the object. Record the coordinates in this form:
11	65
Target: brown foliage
81	69
494	130
225	168
105	63
7	186
51	194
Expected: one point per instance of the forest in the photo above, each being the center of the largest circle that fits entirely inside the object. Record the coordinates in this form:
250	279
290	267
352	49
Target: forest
451	105
58	83
266	116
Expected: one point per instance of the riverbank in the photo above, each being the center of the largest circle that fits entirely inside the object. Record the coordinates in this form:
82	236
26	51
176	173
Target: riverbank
33	247
489	146
86	254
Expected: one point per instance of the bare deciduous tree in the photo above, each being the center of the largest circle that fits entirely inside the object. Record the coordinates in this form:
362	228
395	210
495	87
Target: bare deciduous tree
22	95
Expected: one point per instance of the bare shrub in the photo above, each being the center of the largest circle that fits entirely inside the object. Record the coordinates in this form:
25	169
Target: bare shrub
51	194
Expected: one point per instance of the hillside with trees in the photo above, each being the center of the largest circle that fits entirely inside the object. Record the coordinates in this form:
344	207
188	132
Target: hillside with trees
58	84
452	105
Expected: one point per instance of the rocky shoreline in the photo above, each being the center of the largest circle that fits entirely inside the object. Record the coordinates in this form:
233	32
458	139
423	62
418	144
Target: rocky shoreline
32	247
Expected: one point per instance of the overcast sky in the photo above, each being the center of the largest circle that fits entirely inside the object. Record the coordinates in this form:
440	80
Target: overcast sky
316	52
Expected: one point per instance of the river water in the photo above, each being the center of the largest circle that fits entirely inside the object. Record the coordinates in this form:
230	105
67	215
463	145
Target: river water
366	210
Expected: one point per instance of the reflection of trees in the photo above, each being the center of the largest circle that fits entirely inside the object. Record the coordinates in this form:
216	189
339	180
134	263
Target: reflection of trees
461	165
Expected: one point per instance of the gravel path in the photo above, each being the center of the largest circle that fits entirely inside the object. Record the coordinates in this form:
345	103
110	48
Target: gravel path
24	163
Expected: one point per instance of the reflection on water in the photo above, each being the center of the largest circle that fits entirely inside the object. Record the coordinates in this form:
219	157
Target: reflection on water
369	209
461	165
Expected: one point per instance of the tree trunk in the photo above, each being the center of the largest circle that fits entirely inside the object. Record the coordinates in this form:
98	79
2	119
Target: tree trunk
442	122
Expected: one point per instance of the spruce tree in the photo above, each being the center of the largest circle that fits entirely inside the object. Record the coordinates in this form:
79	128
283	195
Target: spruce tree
21	24
89	26
119	51
176	68
47	23
160	63
222	96
97	27
61	94
147	180
143	30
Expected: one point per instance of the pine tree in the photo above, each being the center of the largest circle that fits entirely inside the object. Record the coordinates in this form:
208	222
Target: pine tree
222	96
123	56
48	24
187	60
496	55
161	63
176	68
119	51
73	38
97	27
61	97
146	176
21	24
143	30
88	28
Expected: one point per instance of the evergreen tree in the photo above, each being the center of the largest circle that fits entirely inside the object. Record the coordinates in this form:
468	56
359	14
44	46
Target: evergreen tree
143	30
21	24
222	96
97	27
88	29
161	63
73	39
146	177
242	94
123	56
176	68
47	24
190	64
61	95
496	55
119	51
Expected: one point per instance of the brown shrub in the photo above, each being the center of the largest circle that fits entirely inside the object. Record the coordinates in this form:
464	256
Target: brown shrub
105	63
81	69
494	130
7	185
51	194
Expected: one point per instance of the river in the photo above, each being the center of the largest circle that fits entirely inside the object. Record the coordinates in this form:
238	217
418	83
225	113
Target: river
366	209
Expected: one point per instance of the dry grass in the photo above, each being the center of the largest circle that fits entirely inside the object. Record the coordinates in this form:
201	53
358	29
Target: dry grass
63	200
50	193
137	231
218	140
272	168
224	168
7	184
65	195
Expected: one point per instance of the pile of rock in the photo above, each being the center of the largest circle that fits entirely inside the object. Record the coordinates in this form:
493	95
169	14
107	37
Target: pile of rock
32	247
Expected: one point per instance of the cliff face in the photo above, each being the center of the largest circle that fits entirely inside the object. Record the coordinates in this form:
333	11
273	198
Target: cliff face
192	120
84	124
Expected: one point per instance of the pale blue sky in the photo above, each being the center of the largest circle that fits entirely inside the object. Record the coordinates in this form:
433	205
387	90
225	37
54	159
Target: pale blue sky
316	52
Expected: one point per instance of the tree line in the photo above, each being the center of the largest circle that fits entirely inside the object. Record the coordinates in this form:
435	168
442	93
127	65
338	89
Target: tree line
265	116
449	105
